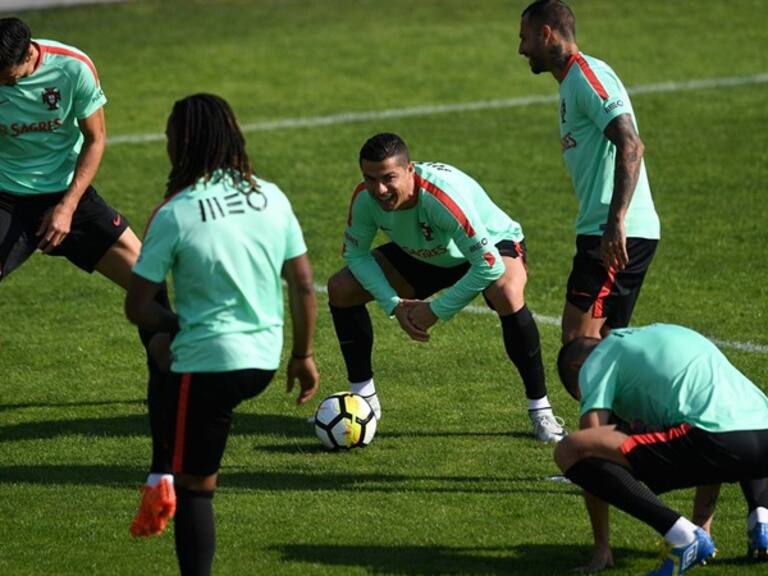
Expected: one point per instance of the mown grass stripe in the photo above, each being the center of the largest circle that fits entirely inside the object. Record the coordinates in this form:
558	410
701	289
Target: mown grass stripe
432	109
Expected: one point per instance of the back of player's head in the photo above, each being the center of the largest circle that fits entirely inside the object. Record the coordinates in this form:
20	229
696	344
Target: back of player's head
204	137
555	13
382	146
15	37
572	355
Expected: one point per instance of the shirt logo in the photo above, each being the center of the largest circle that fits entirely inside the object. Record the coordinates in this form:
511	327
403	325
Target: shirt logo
51	97
211	208
562	111
427	231
568	142
613	105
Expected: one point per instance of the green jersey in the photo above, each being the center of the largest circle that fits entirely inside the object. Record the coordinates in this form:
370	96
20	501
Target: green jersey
453	222
665	375
40	138
225	250
591	95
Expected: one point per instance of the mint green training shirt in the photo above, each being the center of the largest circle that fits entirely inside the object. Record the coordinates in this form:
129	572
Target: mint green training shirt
40	139
591	95
453	222
225	250
665	375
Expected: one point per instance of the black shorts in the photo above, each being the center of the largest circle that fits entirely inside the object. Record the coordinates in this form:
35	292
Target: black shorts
201	415
684	456
611	294
427	279
96	226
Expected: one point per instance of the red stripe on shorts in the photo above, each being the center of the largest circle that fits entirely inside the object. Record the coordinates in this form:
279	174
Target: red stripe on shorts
598	309
654	438
181	423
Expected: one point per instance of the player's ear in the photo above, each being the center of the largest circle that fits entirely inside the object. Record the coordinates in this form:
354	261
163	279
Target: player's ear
546	31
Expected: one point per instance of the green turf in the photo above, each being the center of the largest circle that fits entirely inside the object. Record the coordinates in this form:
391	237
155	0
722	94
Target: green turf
452	483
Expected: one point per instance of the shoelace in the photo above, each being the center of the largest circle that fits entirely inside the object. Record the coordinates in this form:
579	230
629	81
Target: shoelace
552	423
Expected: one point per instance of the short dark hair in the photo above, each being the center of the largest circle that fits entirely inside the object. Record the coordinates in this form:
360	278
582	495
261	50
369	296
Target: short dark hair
206	139
555	13
382	146
15	37
569	360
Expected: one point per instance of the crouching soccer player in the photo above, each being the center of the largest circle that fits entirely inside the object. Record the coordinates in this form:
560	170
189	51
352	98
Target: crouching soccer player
227	237
714	428
445	233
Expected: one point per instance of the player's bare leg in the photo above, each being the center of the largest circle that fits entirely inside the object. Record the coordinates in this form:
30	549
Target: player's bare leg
577	323
118	261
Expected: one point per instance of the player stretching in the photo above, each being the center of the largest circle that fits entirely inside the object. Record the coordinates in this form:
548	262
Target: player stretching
710	422
617	229
445	233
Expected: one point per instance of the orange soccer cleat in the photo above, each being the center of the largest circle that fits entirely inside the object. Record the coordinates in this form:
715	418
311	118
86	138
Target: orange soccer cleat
158	505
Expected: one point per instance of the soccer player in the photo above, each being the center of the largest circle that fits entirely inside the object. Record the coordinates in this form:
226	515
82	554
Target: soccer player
445	232
712	427
227	237
52	138
617	228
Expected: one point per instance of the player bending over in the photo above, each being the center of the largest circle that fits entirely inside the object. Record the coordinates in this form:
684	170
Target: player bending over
445	233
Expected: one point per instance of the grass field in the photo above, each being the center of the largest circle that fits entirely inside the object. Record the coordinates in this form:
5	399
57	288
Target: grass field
452	484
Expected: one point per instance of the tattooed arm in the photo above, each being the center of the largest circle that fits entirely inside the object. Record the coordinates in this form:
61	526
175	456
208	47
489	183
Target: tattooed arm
629	155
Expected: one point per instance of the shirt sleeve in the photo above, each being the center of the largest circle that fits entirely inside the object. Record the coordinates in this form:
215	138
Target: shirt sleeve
89	96
602	98
358	236
457	217
295	245
159	247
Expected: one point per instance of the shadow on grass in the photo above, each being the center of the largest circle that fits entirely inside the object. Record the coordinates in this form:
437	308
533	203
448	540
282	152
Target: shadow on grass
136	401
138	425
250	482
524	559
243	424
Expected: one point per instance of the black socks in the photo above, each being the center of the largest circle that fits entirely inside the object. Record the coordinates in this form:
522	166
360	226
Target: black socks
195	532
521	340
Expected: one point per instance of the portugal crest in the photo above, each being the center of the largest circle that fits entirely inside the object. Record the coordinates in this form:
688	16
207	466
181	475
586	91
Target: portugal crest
51	97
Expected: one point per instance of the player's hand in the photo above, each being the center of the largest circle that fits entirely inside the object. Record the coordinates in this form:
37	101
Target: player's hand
402	313
602	558
421	315
54	227
613	247
305	371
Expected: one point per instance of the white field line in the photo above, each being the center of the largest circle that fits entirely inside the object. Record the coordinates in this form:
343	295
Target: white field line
555	321
431	109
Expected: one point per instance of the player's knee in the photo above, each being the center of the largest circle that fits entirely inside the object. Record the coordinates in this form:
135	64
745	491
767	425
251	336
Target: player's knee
342	288
506	297
564	454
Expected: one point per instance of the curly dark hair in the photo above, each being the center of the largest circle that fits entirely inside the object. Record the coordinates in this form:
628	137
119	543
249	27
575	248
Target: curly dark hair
205	141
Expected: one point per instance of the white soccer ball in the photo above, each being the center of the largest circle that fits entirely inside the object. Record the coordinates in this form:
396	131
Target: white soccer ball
345	420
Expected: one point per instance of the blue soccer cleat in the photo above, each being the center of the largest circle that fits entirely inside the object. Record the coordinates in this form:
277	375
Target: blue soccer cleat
676	561
757	543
